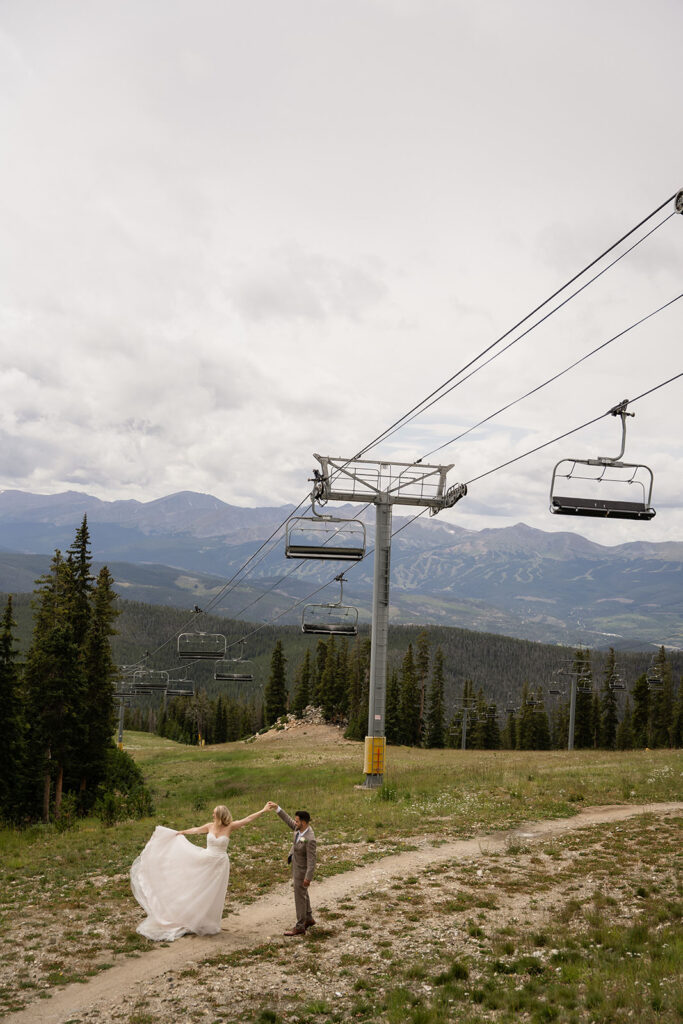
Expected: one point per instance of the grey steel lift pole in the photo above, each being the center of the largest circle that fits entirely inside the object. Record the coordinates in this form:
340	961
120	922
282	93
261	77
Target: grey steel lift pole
382	484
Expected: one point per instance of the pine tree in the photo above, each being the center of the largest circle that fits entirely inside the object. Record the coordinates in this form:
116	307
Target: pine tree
79	565
508	739
317	673
559	727
329	681
392	718
624	734
99	675
409	703
55	686
662	704
491	729
608	704
435	715
342	681
422	675
302	696
275	696
358	691
677	726
641	711
583	724
12	723
220	726
526	739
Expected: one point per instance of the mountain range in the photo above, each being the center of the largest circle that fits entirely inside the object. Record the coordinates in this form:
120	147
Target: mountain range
185	549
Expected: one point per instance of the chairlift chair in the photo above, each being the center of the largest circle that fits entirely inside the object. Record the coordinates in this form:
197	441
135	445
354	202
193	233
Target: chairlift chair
201	646
233	670
595	487
149	681
654	676
334	619
616	683
325	537
186	689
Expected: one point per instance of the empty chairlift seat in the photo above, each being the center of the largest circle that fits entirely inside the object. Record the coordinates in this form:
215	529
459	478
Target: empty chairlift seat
233	670
325	537
208	646
603	487
330	619
588	487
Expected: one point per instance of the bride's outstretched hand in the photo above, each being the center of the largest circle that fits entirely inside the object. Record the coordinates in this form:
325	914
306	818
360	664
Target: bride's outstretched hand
271	805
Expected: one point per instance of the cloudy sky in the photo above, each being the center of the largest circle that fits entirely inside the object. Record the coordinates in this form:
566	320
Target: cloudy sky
235	234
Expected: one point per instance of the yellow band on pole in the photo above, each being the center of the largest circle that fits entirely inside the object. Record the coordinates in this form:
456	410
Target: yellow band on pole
375	749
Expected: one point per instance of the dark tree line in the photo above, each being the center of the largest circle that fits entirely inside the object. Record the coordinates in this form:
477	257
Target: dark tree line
57	707
334	677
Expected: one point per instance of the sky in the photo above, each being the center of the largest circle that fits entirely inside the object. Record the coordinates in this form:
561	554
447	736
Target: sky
236	234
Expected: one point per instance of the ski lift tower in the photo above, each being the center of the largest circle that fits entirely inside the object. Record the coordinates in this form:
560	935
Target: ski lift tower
383	484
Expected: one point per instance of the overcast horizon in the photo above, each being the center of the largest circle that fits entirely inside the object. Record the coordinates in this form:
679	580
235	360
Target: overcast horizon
235	235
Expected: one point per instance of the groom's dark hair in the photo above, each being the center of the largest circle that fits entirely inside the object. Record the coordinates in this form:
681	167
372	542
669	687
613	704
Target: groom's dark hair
303	816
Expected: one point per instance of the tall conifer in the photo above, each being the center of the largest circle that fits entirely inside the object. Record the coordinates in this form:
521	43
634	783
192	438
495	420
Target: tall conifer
435	714
275	696
12	723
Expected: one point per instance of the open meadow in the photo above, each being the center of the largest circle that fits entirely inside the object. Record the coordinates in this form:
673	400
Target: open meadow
576	927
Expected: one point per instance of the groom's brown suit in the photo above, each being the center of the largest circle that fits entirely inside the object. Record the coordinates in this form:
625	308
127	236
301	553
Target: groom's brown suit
303	856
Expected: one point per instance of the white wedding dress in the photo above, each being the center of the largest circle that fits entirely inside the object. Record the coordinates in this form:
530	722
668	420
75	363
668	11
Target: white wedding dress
180	886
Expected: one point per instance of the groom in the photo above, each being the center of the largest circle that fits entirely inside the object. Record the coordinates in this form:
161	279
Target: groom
302	859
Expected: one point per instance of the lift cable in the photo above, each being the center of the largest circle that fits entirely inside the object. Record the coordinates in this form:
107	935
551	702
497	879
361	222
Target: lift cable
514	341
524	319
551	380
574	430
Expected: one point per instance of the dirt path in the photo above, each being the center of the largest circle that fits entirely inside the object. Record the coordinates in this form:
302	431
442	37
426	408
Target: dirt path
266	919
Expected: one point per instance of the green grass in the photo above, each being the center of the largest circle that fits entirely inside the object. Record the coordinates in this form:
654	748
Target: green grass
76	882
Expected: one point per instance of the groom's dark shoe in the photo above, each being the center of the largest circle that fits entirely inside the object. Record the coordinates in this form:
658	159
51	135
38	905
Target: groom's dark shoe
296	931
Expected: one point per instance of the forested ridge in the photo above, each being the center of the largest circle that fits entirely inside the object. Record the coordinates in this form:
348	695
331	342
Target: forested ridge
69	646
500	665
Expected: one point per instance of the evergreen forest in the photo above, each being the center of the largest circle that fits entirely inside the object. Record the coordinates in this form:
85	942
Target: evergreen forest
67	650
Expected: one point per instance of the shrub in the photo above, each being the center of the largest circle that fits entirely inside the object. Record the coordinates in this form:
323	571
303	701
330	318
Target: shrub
123	793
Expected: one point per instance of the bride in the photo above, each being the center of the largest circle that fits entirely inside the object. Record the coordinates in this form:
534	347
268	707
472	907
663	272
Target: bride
181	886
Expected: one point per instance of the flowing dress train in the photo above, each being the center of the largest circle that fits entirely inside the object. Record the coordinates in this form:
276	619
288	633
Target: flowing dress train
180	886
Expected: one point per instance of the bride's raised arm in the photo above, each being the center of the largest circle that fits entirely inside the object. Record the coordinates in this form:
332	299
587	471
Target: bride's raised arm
250	817
199	830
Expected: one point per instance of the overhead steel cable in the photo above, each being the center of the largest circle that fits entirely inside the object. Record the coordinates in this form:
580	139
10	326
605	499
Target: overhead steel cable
551	380
523	335
399	422
568	433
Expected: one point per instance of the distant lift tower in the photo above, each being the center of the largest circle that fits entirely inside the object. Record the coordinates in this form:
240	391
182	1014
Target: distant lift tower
382	484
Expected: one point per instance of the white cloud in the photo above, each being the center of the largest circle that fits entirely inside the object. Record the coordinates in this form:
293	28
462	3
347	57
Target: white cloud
238	234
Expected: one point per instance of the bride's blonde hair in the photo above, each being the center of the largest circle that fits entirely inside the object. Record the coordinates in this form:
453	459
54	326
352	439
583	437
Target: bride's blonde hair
223	814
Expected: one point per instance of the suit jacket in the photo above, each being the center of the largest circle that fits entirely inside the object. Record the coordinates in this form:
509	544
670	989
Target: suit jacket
303	852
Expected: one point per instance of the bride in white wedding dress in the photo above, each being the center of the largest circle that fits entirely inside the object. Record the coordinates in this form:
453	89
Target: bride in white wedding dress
181	886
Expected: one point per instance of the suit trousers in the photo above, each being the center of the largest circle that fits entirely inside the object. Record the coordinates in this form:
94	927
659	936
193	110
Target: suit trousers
302	902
